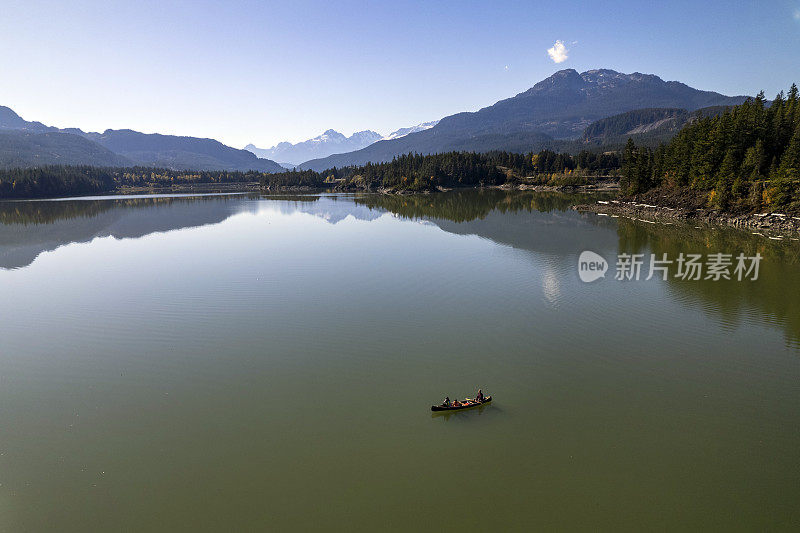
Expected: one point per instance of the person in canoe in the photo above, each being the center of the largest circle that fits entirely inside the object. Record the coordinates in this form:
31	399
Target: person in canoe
456	403
480	397
446	402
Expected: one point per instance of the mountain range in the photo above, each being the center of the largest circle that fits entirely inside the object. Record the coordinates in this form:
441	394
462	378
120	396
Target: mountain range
559	107
567	110
24	143
331	142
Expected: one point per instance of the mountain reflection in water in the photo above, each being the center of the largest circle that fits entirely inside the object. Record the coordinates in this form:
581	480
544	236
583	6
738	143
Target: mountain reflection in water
538	222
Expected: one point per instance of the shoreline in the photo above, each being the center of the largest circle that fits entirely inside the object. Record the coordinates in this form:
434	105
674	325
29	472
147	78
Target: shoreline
780	223
600	186
198	187
605	185
202	188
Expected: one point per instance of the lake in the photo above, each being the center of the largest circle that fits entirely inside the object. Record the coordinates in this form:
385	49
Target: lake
248	362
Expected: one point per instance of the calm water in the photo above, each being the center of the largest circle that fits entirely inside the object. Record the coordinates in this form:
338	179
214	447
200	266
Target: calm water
237	362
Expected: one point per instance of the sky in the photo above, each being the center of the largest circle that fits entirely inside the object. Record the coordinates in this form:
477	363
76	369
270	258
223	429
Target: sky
270	71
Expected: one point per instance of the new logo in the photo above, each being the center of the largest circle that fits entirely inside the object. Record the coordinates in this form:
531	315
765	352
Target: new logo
591	266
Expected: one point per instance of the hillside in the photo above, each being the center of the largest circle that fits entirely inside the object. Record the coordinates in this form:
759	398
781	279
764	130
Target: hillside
645	126
560	107
23	149
25	144
9	120
180	153
653	121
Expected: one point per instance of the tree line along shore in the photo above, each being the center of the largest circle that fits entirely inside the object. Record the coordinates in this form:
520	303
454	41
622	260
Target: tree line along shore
744	160
411	173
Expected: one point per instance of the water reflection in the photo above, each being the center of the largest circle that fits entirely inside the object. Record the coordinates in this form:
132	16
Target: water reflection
536	222
469	205
731	300
29	228
542	223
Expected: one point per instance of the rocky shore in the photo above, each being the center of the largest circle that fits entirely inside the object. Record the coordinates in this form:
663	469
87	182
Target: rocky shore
597	186
190	188
781	223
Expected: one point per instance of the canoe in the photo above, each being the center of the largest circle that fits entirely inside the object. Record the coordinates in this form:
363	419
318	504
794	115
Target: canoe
468	405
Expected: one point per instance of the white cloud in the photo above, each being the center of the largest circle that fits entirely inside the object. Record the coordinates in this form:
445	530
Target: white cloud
797	14
506	67
558	53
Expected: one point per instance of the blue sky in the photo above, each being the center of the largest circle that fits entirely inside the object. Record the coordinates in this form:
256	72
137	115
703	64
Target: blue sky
269	71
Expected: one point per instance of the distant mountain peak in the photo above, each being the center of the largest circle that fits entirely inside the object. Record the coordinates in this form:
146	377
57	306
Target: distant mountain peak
8	115
330	134
328	143
402	132
366	134
10	120
562	80
594	76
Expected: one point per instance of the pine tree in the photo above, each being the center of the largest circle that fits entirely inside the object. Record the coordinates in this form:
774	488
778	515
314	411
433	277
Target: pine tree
728	173
790	162
629	183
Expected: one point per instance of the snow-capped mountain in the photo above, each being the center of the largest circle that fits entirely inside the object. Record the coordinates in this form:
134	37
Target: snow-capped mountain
330	142
402	132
